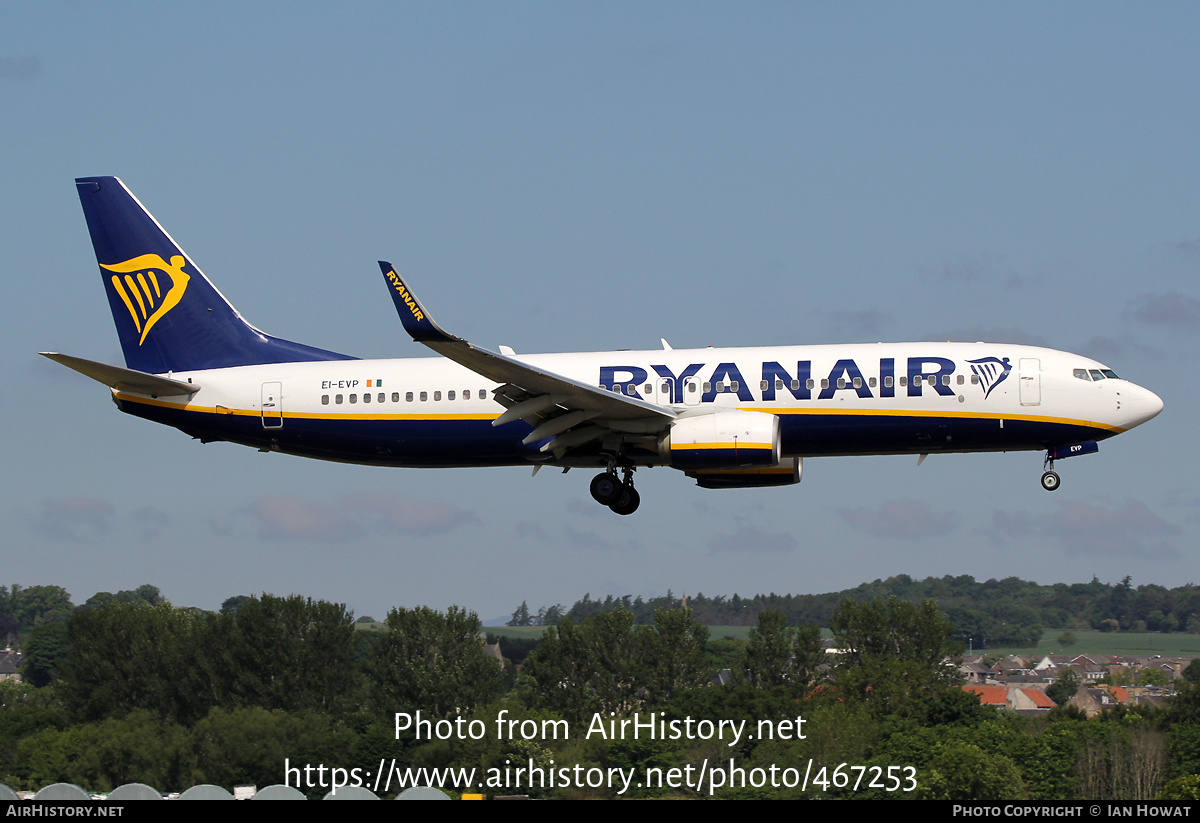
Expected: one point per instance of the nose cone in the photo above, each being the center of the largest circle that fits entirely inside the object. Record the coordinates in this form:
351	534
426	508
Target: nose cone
1139	405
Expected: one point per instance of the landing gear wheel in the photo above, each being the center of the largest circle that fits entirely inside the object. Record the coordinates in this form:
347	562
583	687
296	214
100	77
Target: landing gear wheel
627	501
606	488
1050	481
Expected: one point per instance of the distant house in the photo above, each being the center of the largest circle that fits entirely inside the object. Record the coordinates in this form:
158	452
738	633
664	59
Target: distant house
1092	701
10	663
1018	698
492	650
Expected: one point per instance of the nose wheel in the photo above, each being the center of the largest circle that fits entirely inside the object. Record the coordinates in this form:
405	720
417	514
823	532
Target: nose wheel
618	495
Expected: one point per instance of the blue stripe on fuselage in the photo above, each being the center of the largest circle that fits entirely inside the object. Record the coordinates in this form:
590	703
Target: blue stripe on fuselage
446	441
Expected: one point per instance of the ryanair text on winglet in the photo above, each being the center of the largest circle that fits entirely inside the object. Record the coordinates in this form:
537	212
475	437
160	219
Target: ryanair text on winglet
399	286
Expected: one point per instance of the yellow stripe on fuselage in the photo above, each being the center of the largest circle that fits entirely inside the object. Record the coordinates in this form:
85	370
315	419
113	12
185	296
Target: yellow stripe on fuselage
1033	418
932	415
732	444
149	401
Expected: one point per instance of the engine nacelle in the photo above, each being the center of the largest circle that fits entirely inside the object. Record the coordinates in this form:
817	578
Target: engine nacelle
722	440
786	473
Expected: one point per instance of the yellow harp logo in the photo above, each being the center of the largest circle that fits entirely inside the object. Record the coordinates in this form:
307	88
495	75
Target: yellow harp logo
136	282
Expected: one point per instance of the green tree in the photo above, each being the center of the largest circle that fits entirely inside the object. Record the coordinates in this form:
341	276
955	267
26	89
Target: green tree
231	604
127	656
592	666
432	662
290	653
521	616
769	651
46	648
34	605
965	772
1186	787
676	658
894	630
894	655
1064	687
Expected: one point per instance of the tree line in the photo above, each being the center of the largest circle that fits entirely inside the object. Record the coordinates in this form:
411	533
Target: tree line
174	697
1008	612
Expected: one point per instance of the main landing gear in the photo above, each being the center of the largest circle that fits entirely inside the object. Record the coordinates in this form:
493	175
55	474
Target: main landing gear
618	495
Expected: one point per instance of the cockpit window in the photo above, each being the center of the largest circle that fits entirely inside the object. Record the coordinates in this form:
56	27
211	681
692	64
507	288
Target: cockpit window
1097	374
1110	374
1082	374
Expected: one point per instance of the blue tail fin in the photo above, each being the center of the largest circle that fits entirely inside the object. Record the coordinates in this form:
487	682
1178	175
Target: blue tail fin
168	316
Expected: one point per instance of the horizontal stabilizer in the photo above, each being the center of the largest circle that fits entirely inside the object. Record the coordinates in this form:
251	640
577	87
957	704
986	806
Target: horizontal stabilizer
126	380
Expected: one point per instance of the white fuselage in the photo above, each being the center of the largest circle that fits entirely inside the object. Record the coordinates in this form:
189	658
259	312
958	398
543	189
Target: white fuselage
831	400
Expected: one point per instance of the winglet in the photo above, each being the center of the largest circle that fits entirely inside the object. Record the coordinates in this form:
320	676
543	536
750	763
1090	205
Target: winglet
416	320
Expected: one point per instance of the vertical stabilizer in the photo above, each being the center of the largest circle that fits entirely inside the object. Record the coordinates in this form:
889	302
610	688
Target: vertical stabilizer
169	316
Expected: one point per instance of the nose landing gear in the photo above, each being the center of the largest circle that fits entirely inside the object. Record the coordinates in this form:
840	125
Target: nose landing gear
618	495
1050	479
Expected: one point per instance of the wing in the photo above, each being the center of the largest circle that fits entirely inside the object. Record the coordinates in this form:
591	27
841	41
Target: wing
570	412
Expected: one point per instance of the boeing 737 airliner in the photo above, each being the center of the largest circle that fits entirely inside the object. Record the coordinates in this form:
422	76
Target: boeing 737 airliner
729	418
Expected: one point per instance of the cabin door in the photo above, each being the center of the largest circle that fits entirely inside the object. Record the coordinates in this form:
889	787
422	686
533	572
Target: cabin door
272	405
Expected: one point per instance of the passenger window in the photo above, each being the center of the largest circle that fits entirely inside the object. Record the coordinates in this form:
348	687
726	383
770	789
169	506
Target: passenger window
424	396
338	399
916	379
858	382
354	398
691	387
824	382
795	385
395	397
733	385
367	397
437	395
449	395
974	380
763	385
841	384
871	382
466	394
904	381
887	381
324	400
408	397
707	387
945	380
961	380
810	384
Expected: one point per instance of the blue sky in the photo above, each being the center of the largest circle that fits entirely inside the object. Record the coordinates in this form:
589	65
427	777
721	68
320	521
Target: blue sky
558	177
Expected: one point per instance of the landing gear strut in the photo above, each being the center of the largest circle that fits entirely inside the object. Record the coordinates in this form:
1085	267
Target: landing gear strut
618	495
1050	479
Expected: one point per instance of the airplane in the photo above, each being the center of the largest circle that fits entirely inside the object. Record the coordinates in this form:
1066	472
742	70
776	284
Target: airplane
726	417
